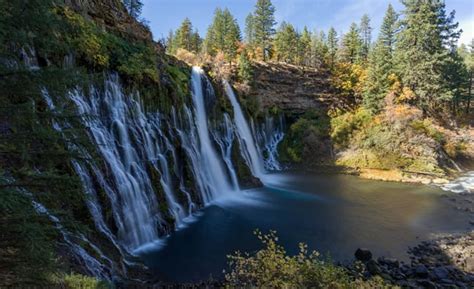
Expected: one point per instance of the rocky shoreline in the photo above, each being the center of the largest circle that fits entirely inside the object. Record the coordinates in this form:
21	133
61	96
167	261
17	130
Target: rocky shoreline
445	262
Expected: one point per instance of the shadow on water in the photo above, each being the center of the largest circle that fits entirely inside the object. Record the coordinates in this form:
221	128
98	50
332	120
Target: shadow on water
332	214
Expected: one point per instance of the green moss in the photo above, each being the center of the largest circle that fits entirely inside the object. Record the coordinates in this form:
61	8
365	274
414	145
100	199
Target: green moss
76	281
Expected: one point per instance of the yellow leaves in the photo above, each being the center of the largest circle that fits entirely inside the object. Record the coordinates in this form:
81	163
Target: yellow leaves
349	78
407	95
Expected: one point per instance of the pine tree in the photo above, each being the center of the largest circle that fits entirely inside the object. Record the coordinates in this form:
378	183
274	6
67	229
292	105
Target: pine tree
424	50
319	49
366	35
333	44
351	45
245	68
381	63
170	43
134	7
196	42
223	35
184	36
286	43
389	28
304	47
249	29
264	23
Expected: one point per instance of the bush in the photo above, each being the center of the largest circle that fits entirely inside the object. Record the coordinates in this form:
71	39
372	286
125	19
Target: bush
76	281
343	126
271	267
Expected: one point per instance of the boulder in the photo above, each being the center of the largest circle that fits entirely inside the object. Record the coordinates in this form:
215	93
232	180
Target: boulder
421	271
390	262
363	254
373	267
440	273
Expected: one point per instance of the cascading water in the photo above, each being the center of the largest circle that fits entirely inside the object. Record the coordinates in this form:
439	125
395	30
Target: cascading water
464	184
141	168
269	135
213	171
249	149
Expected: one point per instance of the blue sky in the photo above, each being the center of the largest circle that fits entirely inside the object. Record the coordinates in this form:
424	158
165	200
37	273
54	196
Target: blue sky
164	15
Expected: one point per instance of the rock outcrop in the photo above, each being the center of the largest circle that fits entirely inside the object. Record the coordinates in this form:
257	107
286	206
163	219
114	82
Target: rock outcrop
112	15
292	89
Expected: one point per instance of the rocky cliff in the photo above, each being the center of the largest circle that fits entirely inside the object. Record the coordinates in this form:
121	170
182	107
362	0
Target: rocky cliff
112	15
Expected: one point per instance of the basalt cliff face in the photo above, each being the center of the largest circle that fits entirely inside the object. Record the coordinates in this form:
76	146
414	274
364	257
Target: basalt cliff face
111	15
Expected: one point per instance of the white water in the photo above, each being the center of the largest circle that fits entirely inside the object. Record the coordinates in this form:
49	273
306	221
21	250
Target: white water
247	143
464	184
214	172
136	147
269	135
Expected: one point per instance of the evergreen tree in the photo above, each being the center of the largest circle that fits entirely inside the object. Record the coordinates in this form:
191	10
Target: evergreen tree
184	36
304	48
134	7
389	28
223	35
245	68
366	35
170	43
424	51
351	45
319	49
196	41
286	43
333	44
249	29
381	63
264	23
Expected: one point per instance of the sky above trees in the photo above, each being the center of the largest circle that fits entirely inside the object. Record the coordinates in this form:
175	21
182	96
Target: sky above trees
164	15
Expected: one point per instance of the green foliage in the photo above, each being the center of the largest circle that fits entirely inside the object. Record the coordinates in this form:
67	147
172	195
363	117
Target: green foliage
271	267
351	45
103	50
184	38
344	125
310	129
245	72
223	35
134	7
423	50
286	43
366	35
76	281
381	66
264	23
249	29
333	44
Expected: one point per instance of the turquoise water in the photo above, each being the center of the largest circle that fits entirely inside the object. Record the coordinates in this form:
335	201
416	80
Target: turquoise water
332	214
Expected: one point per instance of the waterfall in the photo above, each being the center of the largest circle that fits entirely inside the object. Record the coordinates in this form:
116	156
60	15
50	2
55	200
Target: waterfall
269	134
212	169
248	146
143	160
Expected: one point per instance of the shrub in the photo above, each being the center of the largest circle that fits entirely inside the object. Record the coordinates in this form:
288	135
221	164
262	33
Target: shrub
271	267
343	126
76	281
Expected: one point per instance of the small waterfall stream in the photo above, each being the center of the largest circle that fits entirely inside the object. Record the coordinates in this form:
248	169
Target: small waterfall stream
250	151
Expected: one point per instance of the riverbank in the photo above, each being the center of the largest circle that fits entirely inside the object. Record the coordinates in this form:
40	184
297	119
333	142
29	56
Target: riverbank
447	261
